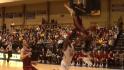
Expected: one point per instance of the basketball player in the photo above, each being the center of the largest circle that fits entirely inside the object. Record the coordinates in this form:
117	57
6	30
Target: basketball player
26	57
68	52
77	18
9	51
71	39
9	47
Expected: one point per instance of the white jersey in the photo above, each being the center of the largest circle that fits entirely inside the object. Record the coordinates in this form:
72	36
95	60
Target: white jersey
68	55
67	58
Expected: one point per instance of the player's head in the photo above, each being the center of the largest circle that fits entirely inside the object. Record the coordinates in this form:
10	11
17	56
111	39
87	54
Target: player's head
25	43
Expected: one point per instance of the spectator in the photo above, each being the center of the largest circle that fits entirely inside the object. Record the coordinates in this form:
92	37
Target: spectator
49	55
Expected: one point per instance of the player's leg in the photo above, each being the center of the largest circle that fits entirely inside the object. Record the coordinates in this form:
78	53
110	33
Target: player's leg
77	19
78	23
63	66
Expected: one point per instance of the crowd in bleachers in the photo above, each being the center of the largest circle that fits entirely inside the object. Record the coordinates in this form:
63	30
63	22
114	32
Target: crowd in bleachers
47	45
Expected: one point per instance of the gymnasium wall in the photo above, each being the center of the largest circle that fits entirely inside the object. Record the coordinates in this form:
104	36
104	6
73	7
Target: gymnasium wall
0	20
5	1
9	20
101	20
58	12
38	17
117	10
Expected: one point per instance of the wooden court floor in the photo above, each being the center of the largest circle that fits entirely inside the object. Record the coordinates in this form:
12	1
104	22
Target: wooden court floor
16	65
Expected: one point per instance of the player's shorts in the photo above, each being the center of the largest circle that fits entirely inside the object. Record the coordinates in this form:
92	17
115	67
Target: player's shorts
64	66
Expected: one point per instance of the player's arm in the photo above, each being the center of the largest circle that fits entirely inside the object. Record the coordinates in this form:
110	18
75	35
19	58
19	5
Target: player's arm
71	11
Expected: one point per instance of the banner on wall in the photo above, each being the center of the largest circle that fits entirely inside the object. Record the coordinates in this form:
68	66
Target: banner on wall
29	15
15	56
41	12
9	15
118	7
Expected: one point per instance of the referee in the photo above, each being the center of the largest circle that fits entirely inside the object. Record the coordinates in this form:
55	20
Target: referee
9	51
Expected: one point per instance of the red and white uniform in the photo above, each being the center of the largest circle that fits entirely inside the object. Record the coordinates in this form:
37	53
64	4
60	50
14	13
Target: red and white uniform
27	65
